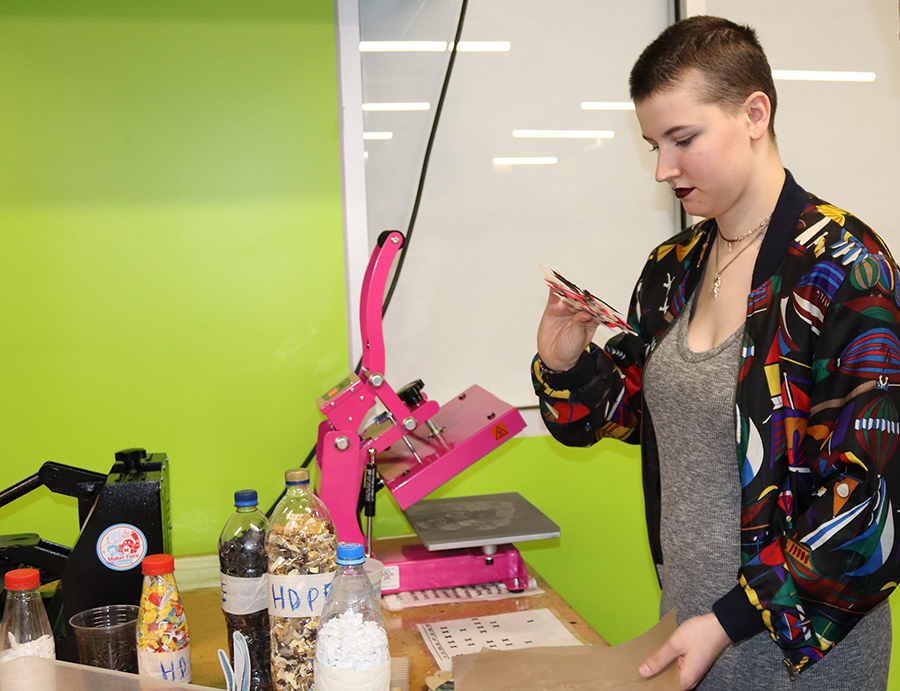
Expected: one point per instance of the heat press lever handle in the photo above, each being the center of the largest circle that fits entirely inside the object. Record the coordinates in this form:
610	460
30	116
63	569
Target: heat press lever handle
371	299
131	459
61	479
385	234
411	394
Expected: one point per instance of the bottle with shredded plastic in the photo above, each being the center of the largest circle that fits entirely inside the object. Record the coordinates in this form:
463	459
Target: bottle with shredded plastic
352	647
25	630
163	640
301	546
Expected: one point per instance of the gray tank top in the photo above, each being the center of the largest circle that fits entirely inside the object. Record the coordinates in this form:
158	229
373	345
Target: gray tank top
690	396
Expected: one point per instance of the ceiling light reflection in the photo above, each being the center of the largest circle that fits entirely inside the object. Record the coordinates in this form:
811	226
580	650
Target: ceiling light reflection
823	76
525	161
564	134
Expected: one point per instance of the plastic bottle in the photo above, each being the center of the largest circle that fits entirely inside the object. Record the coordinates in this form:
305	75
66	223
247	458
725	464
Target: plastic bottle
163	641
25	630
242	566
352	646
302	549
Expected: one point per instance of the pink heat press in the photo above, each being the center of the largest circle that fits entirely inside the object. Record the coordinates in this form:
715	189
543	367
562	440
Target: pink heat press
416	446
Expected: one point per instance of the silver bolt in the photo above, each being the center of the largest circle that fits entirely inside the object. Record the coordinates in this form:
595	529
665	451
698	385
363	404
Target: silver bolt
342	443
410	423
376	380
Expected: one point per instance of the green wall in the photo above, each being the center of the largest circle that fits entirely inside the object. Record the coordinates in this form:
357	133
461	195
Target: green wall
172	278
172	270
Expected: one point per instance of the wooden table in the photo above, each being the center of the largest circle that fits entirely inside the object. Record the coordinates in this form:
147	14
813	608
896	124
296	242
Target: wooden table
208	633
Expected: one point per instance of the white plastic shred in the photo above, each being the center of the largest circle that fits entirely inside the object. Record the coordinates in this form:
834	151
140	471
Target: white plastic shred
349	643
40	647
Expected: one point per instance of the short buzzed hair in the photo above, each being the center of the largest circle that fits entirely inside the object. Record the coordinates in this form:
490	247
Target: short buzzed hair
728	57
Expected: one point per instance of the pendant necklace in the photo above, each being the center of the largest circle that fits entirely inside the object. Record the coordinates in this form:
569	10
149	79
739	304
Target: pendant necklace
743	237
756	233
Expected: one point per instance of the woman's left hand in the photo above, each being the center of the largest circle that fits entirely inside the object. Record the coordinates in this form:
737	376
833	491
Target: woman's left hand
696	644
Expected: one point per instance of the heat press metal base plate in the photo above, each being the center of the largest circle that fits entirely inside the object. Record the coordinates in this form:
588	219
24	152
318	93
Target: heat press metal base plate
489	519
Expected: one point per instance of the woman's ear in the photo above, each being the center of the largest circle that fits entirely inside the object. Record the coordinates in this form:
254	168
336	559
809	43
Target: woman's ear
758	109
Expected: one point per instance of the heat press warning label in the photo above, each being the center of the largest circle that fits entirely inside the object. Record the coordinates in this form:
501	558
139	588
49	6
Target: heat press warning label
500	431
121	547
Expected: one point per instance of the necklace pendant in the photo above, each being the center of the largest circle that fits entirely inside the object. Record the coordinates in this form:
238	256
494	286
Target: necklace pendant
717	281
730	245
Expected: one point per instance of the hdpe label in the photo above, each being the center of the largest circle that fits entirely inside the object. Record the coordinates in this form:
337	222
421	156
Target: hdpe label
170	666
121	547
299	595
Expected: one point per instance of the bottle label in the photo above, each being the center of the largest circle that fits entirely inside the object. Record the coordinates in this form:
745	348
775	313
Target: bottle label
173	666
121	547
300	595
375	679
243	595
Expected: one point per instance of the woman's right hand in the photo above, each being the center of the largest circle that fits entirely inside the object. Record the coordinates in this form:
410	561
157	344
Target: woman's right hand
563	334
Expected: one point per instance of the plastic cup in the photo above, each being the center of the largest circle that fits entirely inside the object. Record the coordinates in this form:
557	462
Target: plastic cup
374	570
106	637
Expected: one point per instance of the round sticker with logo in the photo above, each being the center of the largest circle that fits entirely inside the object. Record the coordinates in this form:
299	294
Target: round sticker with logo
121	547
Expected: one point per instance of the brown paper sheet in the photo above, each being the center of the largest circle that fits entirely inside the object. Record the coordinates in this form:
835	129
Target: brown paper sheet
570	668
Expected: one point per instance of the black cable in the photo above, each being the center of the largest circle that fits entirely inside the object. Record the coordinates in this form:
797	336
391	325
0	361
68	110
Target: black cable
415	210
427	158
677	16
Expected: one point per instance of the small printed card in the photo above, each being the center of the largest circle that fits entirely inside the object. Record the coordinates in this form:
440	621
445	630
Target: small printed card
510	631
583	300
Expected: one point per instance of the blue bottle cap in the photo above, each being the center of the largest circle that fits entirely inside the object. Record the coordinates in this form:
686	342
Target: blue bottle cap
350	553
245	497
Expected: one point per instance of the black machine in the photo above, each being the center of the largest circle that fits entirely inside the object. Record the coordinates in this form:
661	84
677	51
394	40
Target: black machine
124	516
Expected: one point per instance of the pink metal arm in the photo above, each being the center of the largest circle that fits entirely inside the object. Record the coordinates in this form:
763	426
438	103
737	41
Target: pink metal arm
372	298
437	443
347	405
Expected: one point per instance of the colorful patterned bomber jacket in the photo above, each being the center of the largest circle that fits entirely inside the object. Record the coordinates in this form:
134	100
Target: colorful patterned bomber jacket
816	418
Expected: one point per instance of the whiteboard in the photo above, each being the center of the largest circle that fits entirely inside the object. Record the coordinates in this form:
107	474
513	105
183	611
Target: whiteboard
470	295
839	139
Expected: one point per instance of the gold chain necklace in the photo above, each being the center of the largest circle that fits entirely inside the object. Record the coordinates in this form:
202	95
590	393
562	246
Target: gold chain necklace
743	237
717	279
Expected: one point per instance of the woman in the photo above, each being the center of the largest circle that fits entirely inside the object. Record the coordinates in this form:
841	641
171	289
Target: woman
767	353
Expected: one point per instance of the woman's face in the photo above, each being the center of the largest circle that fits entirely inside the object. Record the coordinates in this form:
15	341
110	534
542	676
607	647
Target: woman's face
703	151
